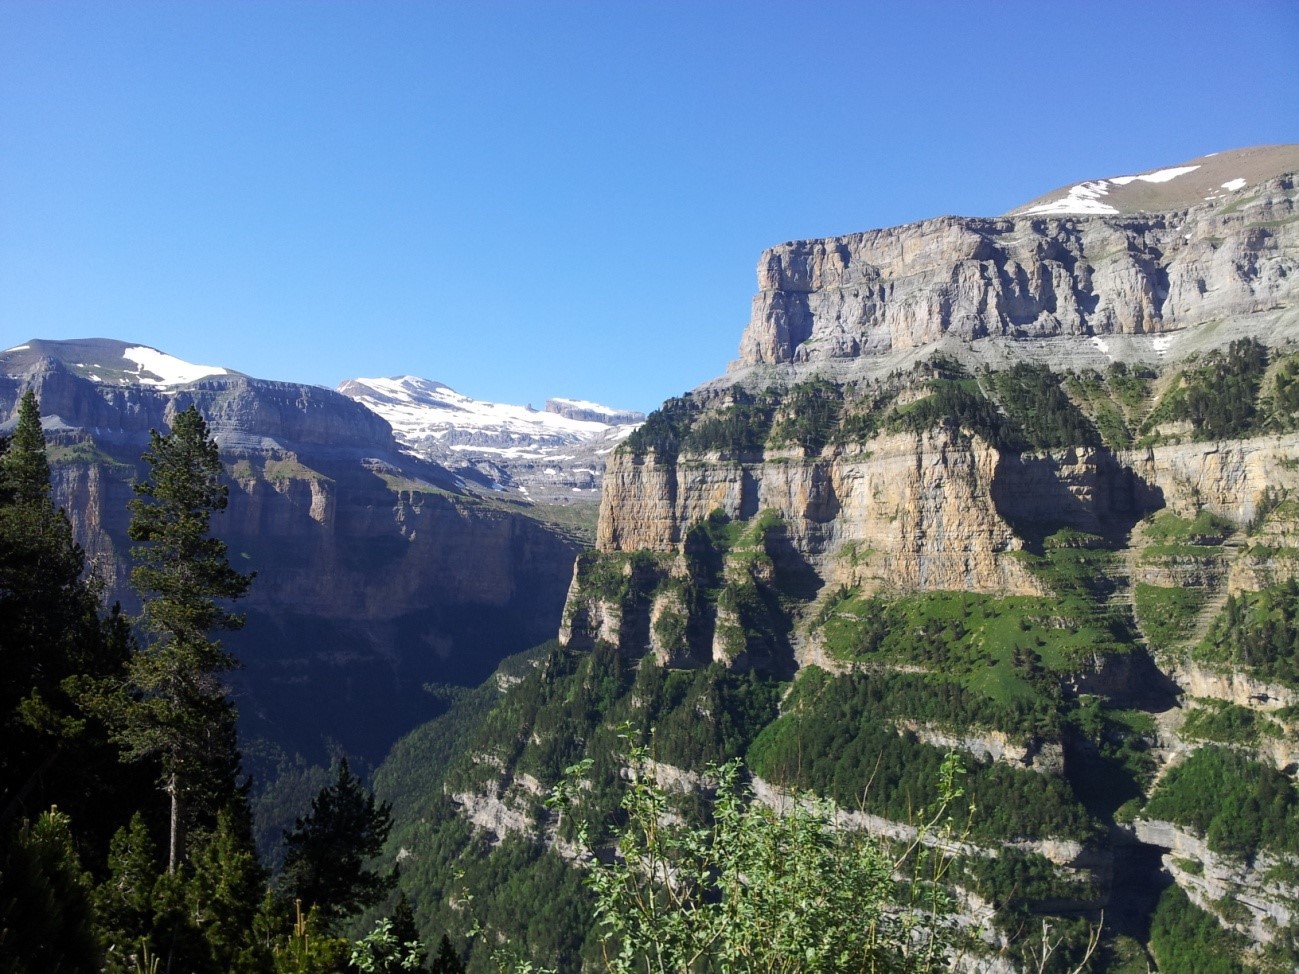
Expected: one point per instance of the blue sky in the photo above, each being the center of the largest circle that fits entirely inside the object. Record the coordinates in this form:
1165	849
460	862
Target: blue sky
532	199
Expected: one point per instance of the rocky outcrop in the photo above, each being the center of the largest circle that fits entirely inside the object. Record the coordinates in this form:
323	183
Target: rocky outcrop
1234	686
1210	879
917	510
591	412
1024	277
1226	477
991	745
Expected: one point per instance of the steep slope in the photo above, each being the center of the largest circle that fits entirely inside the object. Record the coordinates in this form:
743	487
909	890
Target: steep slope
1022	488
377	572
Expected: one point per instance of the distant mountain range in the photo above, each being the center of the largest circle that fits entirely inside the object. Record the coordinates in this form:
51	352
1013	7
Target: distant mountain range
380	570
554	454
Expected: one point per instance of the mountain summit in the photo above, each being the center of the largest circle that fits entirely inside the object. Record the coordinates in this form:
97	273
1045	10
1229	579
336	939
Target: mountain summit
1207	179
1133	286
108	361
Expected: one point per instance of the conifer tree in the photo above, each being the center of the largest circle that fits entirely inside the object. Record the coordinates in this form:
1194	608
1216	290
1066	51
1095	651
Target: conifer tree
447	960
46	918
25	469
225	894
124	901
49	630
405	931
181	712
325	863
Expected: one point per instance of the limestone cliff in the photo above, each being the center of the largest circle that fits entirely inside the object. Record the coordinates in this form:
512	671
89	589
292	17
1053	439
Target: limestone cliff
882	291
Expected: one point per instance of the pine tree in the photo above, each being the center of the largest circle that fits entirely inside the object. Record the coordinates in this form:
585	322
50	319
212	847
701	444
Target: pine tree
181	712
225	894
46	918
50	635
327	851
406	933
124	901
25	469
447	961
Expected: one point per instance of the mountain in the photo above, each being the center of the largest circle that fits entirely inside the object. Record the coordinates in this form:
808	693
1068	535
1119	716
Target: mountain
1189	184
1066	290
555	455
378	572
1025	488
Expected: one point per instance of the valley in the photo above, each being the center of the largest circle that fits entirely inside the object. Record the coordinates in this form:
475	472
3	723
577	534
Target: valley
1022	490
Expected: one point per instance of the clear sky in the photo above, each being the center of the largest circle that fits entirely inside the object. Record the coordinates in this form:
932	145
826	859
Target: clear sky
525	200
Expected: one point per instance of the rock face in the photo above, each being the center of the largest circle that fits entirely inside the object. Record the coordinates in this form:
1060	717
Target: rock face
918	509
376	573
1208	879
592	412
869	294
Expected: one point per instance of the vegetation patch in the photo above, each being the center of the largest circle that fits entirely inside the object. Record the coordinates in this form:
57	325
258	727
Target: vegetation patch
1206	529
84	453
1258	631
1187	940
835	738
290	468
1035	402
1167	615
1238	804
1010	649
808	416
1218	397
1227	723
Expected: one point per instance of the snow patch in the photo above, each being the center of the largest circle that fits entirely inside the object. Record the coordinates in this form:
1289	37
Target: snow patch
18	348
1158	176
1101	345
1232	185
1083	198
1162	343
169	370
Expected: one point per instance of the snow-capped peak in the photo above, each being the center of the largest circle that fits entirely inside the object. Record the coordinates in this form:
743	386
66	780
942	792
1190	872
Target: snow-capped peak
426	414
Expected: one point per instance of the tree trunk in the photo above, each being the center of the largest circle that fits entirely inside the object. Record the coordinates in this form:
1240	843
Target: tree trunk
176	844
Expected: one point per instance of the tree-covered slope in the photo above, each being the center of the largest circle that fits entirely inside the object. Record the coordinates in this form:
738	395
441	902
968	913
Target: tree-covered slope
841	582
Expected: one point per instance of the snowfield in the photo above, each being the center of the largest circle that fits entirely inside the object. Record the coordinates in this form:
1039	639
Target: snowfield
170	370
423	412
1085	198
